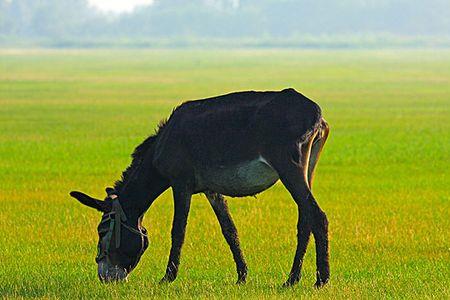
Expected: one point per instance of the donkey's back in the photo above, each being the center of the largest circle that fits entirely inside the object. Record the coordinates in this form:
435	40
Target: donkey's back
226	133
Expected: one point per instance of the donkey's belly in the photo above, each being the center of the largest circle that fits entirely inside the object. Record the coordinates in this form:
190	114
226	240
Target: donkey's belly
244	179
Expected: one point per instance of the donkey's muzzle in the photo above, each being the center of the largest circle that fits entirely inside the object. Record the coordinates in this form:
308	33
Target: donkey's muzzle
108	273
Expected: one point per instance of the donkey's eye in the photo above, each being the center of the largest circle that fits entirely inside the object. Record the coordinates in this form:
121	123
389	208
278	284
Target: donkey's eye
103	228
102	232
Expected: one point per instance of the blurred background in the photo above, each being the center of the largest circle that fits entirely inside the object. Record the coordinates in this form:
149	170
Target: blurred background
225	23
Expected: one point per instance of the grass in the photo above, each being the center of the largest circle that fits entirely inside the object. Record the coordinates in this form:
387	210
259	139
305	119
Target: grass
70	119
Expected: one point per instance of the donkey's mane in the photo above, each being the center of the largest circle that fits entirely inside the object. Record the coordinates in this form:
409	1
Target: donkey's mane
138	157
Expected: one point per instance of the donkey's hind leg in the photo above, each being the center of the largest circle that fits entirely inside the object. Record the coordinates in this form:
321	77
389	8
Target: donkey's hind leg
229	231
310	217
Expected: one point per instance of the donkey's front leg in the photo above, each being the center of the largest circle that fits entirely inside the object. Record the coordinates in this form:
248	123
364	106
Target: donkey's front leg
182	199
229	231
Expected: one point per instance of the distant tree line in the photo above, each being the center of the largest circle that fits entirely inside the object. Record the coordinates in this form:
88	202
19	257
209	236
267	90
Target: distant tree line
74	20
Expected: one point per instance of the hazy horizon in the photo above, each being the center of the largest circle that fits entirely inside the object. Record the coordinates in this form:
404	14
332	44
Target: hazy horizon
225	23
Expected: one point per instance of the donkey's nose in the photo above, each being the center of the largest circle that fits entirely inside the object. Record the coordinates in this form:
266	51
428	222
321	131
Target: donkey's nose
108	273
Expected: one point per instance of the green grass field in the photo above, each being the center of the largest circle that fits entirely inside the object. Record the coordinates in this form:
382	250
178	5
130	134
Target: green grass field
70	119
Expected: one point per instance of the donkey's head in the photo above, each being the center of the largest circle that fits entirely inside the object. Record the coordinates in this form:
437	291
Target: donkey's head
122	241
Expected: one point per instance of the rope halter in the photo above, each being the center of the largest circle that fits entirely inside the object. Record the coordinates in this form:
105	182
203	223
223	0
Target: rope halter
117	219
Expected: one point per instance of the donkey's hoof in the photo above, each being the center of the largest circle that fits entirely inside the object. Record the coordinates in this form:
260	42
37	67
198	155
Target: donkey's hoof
291	282
242	276
320	282
166	279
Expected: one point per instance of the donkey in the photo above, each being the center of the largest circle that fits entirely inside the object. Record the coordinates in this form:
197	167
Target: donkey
236	145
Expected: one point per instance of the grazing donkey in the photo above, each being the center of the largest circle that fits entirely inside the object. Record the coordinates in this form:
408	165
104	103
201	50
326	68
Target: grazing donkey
237	145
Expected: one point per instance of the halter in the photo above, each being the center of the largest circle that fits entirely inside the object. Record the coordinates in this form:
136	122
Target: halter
117	220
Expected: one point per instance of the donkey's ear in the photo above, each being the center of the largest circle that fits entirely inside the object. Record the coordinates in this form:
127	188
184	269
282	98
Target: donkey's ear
102	206
110	191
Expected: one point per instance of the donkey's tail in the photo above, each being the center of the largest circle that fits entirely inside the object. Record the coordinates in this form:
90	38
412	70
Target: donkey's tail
315	147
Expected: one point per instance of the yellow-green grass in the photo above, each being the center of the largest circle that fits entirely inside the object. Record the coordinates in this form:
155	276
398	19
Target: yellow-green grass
70	119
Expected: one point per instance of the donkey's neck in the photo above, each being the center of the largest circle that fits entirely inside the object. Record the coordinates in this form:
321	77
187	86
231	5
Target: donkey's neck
141	183
138	195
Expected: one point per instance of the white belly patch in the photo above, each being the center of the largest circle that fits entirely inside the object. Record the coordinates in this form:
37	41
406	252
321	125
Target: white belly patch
244	179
